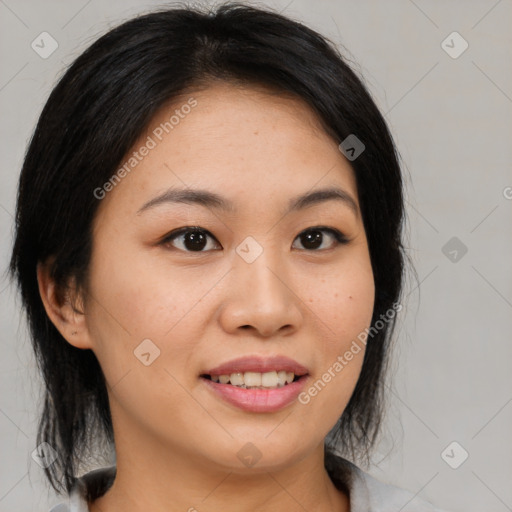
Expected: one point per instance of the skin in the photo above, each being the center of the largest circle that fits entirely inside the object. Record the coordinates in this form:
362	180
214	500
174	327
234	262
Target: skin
177	442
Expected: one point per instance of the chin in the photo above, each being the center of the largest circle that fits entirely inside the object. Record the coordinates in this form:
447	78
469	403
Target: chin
251	451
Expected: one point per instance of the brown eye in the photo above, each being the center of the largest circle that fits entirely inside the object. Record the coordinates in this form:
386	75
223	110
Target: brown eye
192	239
321	238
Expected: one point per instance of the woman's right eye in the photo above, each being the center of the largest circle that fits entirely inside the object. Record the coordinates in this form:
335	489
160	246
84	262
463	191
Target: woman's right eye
192	239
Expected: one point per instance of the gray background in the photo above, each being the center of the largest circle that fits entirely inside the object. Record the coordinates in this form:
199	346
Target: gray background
452	121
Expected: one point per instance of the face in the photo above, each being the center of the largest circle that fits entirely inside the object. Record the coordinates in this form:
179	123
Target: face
224	285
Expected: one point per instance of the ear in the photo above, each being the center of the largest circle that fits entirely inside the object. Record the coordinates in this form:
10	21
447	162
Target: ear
64	308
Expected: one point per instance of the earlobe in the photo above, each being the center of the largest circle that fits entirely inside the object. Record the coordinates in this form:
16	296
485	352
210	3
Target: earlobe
62	310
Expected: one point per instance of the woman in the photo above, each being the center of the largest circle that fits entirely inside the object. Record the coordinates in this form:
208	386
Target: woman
209	252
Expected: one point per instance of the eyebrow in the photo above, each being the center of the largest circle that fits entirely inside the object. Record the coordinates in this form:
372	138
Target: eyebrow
212	200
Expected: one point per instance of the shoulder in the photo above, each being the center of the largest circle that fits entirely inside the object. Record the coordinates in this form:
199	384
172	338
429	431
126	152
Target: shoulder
388	498
367	494
87	488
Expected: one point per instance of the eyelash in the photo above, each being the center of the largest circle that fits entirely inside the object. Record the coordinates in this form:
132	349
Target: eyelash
339	237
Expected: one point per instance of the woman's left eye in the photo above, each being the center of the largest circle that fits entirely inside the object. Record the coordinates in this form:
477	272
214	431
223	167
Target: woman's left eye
313	239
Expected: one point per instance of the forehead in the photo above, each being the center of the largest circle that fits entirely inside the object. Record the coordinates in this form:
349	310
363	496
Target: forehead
245	143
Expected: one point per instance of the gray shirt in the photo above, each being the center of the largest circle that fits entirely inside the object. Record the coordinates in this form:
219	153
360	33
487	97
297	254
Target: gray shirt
367	494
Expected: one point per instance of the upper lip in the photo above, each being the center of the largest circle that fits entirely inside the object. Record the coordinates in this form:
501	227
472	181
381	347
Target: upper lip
258	364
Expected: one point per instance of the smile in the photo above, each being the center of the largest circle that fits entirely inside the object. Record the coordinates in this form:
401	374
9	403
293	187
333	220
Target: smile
256	380
257	384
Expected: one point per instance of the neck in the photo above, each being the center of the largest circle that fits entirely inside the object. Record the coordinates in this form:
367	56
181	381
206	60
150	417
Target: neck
148	478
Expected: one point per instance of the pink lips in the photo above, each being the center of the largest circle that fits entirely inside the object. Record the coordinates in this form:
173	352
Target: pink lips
259	364
258	400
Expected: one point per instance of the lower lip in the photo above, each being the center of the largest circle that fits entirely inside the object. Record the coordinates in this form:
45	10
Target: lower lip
258	400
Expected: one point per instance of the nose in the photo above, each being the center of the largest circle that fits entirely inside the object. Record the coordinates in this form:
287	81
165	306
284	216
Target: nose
261	298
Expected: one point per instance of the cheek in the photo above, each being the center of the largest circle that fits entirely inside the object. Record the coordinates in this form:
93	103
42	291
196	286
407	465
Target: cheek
343	306
144	297
342	301
134	301
138	310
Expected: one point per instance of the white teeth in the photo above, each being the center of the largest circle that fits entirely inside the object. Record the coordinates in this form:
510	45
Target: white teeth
269	380
252	379
237	379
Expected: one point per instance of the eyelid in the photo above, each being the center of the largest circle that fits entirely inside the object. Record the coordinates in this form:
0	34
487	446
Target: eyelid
340	237
334	231
179	231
